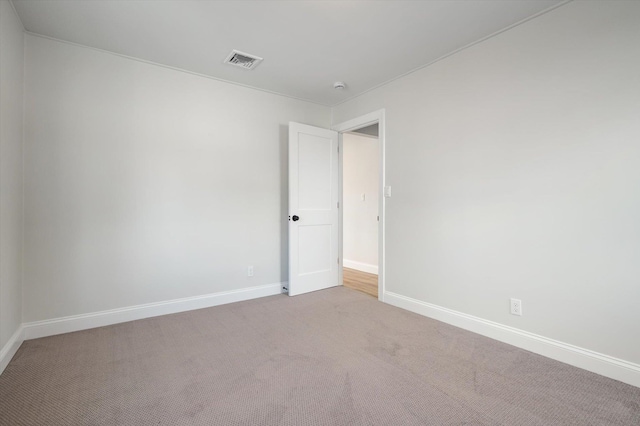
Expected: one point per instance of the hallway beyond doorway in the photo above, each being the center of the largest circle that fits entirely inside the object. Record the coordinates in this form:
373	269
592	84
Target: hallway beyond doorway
361	281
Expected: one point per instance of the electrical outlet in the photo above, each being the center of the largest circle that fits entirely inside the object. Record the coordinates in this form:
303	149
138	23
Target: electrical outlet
249	271
516	307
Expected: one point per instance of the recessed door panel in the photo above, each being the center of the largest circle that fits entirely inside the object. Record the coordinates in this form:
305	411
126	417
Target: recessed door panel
314	244
314	173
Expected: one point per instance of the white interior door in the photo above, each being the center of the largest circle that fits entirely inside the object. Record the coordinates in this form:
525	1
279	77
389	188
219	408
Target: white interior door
313	209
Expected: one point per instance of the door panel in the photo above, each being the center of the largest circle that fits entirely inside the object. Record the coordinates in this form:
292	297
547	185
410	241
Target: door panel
314	249
313	208
314	172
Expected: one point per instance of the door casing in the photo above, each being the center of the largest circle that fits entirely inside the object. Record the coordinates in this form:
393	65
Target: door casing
348	126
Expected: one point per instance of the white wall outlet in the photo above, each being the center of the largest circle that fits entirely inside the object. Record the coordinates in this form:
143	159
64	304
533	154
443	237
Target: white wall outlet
516	307
249	271
387	191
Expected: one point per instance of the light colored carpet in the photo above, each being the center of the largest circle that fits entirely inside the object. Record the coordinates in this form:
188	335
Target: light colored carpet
333	357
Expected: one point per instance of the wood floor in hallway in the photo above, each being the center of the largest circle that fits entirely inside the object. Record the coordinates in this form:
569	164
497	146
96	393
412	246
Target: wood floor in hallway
361	281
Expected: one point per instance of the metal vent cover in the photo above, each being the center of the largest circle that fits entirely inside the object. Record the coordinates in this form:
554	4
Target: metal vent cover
243	60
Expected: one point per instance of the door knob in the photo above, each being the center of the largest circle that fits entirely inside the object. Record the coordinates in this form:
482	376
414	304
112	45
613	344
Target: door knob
295	218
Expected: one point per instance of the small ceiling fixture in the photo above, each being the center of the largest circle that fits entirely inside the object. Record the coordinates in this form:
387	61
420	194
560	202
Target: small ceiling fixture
338	85
243	60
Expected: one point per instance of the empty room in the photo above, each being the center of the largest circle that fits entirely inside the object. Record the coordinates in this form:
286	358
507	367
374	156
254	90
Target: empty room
319	212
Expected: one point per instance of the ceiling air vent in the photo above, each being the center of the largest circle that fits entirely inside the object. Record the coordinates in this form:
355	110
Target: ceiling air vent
243	60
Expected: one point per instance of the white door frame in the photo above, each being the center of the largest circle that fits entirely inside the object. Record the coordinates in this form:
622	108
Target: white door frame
347	126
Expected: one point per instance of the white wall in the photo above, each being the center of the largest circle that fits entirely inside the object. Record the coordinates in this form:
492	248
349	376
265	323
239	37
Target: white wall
11	78
145	184
360	225
515	167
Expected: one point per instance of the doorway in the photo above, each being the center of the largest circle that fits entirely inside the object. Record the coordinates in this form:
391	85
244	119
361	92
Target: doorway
362	220
360	179
315	205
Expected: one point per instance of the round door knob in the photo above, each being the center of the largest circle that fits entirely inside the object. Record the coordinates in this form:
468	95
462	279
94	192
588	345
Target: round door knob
295	218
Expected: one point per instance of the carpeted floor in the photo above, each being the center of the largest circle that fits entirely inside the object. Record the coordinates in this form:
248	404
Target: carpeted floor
333	357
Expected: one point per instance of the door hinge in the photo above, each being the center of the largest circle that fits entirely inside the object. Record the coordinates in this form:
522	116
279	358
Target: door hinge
338	148
338	204
338	261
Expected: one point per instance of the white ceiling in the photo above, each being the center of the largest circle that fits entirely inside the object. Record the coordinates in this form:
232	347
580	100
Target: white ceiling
306	45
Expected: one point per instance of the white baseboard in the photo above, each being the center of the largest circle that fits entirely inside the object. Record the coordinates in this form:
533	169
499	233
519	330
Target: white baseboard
10	348
37	329
359	266
586	359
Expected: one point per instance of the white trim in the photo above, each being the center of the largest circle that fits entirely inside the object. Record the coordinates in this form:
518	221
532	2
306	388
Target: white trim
360	122
13	6
10	348
37	329
446	55
359	266
595	362
157	64
347	126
